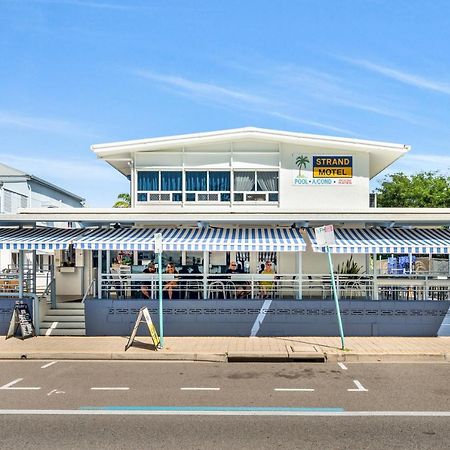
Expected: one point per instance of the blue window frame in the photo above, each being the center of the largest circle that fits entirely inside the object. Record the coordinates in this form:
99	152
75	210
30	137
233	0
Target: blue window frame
196	181
171	181
219	181
148	181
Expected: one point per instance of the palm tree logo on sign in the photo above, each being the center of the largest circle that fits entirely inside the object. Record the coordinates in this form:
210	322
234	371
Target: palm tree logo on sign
302	162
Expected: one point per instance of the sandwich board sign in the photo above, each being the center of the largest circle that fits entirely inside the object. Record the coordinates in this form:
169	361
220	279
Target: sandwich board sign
325	236
144	317
22	321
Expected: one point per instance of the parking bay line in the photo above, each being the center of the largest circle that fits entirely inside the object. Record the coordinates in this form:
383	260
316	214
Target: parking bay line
360	387
342	366
7	386
48	364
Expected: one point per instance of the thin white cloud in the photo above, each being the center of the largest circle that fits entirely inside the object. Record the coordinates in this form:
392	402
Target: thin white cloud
91	4
231	97
403	77
208	90
50	125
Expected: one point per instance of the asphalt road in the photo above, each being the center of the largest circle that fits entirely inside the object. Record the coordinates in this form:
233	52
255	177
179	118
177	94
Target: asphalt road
203	405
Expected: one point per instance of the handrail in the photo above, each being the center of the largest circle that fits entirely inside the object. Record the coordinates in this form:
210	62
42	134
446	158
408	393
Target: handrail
92	283
47	289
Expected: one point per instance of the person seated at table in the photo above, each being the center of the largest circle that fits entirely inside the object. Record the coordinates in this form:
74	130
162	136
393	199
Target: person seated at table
169	289
242	287
145	289
266	285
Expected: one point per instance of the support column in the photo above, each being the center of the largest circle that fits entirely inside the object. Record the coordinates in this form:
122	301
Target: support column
205	273
300	275
21	256
99	274
375	282
34	281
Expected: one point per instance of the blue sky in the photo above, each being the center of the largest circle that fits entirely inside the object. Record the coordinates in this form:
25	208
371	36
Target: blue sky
78	72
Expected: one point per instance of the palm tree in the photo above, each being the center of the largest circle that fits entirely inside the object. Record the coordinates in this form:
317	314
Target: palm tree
301	162
123	201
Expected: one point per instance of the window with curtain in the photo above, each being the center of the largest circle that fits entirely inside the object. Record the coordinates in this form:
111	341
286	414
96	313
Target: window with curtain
148	181
244	181
267	181
171	181
219	181
196	181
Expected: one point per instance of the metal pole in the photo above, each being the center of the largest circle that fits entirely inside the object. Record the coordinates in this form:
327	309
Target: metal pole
336	300
21	273
160	289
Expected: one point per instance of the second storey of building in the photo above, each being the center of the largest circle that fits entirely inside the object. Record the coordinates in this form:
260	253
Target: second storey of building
249	170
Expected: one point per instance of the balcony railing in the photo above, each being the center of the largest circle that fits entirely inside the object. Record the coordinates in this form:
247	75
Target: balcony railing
283	286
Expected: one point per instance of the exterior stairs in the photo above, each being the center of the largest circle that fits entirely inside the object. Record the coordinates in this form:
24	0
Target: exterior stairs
66	320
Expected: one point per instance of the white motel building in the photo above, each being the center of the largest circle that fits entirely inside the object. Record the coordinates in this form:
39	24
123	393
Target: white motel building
237	211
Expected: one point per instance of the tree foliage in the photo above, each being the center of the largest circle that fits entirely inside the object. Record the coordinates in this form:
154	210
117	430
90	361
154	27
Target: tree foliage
123	201
420	190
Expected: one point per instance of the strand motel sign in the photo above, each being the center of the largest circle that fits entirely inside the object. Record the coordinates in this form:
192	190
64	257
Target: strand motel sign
324	170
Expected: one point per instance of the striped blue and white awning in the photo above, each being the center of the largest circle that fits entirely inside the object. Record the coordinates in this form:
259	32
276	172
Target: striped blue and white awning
195	239
387	240
116	239
37	238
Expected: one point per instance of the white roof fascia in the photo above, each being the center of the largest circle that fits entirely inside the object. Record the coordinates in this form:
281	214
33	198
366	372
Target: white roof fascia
161	143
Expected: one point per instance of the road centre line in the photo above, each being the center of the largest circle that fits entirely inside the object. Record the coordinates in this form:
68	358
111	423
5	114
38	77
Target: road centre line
293	390
225	411
12	383
199	389
48	365
360	387
110	388
342	366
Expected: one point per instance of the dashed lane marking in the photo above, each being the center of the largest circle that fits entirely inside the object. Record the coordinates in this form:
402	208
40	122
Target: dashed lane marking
110	388
8	386
342	366
293	390
360	387
48	365
199	389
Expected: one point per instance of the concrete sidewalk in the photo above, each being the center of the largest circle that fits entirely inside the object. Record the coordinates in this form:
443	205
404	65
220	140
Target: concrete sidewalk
223	349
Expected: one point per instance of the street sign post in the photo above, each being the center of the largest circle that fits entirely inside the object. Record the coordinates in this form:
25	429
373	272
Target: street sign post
158	251
324	238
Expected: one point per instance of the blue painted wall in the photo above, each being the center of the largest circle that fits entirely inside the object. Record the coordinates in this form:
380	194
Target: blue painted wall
108	317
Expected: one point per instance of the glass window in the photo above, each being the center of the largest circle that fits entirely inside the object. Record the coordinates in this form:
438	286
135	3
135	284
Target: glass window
238	197
267	181
224	197
190	197
219	181
273	197
196	181
177	197
148	181
244	181
141	197
171	181
255	197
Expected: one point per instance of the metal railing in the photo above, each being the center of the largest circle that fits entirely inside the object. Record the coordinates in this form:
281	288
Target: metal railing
90	291
278	286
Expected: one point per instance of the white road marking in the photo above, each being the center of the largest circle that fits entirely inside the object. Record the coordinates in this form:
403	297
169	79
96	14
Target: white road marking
12	383
293	390
199	389
52	327
55	391
82	412
342	366
48	365
110	388
360	387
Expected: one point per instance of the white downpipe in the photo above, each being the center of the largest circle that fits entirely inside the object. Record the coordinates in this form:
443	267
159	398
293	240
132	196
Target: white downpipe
99	274
300	275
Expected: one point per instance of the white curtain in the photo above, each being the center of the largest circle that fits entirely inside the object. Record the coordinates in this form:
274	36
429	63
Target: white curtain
268	181
244	181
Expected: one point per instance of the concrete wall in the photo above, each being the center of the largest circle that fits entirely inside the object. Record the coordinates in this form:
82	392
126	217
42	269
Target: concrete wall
269	318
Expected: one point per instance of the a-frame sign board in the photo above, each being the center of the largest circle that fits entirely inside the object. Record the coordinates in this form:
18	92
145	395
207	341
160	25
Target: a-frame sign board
22	321
144	317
